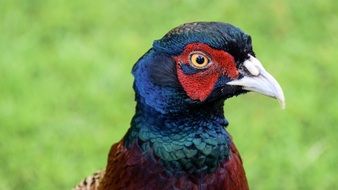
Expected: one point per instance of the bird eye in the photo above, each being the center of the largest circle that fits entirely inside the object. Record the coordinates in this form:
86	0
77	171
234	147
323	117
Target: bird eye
199	60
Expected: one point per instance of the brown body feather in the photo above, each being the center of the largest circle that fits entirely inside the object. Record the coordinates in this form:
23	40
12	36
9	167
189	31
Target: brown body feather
130	169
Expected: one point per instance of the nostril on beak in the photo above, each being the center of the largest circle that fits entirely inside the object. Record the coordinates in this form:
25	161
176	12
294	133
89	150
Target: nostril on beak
252	69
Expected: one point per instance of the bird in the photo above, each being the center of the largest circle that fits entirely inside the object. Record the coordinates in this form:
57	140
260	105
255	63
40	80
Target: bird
178	138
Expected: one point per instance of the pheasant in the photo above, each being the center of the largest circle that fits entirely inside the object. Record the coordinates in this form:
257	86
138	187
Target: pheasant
178	138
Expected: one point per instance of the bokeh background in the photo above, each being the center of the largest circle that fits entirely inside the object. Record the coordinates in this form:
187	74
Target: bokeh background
66	89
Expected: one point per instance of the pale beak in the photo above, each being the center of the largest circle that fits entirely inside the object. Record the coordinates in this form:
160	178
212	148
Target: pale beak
257	79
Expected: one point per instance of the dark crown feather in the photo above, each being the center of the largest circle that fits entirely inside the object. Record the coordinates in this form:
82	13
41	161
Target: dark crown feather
216	34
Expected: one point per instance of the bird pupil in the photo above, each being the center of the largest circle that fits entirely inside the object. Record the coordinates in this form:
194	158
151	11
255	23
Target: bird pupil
200	60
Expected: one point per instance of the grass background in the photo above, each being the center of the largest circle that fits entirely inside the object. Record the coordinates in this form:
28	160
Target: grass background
66	96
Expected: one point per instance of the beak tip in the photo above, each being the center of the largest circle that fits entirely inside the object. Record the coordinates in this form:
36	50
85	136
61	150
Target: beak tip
281	101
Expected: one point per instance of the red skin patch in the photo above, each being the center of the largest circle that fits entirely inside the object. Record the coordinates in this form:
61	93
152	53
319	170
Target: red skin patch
198	86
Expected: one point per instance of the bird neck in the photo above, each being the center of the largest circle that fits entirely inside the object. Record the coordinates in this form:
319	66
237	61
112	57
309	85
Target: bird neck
190	141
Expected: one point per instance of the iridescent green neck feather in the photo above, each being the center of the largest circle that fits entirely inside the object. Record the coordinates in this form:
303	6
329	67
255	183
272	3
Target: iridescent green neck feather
192	141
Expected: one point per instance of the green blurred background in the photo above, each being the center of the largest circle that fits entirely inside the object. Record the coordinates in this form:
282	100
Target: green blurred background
66	89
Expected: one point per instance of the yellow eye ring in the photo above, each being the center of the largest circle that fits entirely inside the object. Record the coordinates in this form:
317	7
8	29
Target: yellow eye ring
199	60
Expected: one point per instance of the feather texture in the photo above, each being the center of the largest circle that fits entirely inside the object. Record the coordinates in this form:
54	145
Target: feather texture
130	169
91	182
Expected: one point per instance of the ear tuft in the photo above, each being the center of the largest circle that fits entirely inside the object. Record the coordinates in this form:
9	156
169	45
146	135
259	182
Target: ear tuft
163	71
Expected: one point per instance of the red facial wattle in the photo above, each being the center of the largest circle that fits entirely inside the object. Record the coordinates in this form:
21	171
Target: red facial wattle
199	85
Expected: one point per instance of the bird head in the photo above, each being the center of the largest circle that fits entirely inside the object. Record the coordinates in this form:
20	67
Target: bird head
198	63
